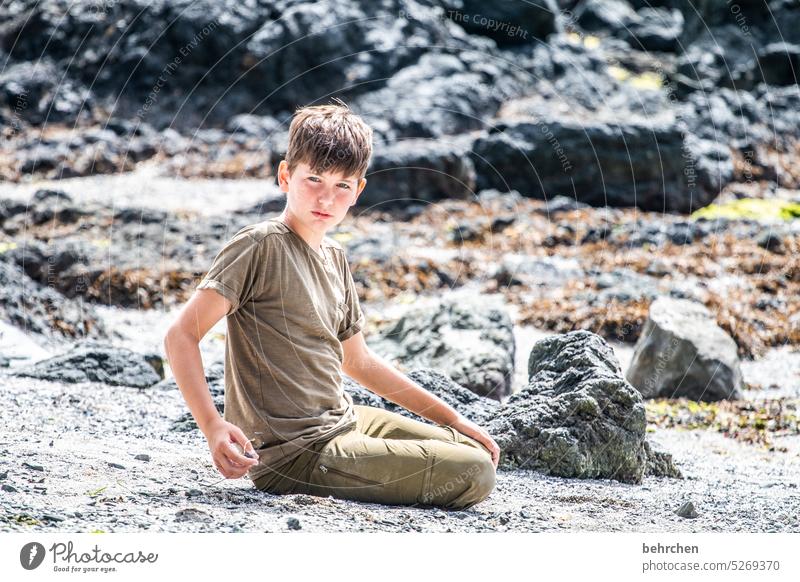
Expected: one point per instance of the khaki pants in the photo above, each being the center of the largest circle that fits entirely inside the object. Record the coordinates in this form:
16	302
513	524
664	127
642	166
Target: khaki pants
390	459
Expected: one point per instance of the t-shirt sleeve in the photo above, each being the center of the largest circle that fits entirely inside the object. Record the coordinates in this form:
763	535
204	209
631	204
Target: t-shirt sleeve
354	320
237	272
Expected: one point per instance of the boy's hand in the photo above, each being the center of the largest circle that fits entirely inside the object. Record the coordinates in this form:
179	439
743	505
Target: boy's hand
223	438
469	428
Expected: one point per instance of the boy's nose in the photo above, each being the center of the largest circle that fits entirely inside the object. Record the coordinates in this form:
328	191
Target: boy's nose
325	201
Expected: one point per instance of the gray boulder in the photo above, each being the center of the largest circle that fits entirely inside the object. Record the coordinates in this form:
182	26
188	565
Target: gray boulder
682	352
466	338
476	408
577	417
90	361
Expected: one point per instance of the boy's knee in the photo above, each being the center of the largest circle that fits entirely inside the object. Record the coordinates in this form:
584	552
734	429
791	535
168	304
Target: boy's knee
483	481
488	476
476	477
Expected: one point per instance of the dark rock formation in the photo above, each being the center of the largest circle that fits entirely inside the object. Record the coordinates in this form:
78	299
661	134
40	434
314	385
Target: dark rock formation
41	309
418	170
653	165
90	361
578	416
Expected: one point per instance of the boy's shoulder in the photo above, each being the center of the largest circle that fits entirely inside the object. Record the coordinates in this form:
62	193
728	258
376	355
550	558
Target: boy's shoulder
260	231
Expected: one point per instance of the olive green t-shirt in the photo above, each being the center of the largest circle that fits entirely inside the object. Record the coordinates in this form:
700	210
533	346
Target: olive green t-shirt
290	310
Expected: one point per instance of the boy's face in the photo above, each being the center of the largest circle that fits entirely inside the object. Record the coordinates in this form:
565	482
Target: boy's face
319	200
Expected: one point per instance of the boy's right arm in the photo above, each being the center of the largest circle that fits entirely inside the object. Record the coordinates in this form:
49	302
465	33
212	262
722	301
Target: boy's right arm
182	346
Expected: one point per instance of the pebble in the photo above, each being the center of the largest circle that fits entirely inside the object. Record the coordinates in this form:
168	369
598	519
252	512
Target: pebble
9	488
3	475
32	466
53	517
193	493
190	514
142	457
687	511
293	523
116	465
771	242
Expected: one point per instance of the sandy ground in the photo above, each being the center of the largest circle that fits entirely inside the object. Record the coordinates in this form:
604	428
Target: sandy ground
59	443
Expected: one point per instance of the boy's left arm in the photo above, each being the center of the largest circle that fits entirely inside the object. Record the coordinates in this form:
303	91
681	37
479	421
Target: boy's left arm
379	376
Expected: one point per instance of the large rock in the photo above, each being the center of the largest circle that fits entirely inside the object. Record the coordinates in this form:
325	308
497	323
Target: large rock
40	309
90	361
577	417
682	352
38	93
651	29
237	57
410	171
442	95
465	337
476	408
652	164
508	22
780	63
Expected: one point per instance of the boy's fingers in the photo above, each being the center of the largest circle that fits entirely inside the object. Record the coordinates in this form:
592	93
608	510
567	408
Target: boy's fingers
244	451
232	459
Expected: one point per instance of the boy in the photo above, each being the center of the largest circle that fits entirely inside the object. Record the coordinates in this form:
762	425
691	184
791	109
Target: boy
293	326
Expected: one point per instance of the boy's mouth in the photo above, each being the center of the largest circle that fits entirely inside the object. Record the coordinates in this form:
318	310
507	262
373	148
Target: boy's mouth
319	214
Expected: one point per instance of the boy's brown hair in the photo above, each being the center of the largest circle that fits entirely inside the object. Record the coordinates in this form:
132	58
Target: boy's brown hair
330	138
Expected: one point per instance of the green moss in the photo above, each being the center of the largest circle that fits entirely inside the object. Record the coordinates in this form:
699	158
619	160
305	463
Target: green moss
24	519
752	208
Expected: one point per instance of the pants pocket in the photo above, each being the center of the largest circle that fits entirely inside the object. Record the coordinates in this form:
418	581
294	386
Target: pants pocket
326	469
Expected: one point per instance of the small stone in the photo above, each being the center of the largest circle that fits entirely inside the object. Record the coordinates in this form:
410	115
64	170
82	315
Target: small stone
32	466
9	488
771	242
77	514
116	465
53	517
687	511
3	475
193	493
293	523
191	514
142	457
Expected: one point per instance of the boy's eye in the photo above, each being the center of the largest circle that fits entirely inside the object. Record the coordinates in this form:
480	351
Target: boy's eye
345	186
313	178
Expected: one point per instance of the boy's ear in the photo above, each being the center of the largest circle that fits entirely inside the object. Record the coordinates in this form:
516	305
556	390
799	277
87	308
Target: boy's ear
283	175
361	184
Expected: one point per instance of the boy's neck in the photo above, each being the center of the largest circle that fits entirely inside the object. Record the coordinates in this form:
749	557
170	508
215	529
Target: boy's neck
313	239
